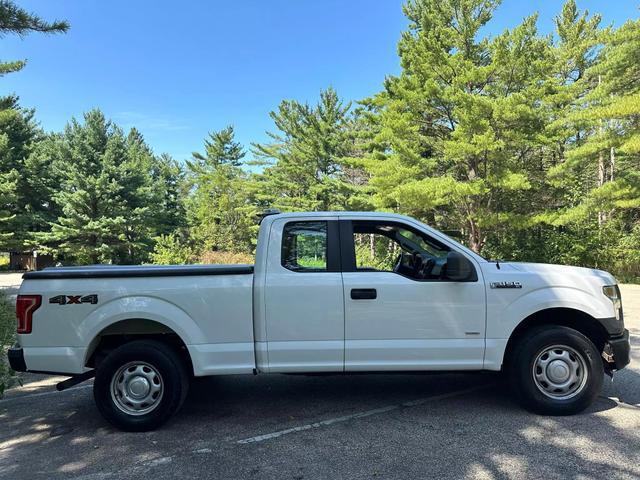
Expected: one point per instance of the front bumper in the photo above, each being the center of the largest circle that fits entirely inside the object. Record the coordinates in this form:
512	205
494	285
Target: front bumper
16	359
618	349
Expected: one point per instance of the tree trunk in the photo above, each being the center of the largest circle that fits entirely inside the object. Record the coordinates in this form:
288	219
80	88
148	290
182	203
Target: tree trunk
612	163
601	180
601	166
475	237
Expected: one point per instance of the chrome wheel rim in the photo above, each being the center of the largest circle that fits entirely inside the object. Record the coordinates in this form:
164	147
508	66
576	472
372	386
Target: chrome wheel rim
560	372
137	388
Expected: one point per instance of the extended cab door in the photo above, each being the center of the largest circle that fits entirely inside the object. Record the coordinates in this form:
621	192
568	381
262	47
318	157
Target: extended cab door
401	313
303	295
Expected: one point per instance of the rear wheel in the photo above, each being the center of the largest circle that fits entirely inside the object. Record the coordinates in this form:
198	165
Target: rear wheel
140	385
555	370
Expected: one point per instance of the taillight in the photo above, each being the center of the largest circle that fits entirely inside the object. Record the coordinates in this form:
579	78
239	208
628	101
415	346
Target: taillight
25	306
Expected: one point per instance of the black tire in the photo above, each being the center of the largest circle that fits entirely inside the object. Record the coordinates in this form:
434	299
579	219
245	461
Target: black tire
530	392
173	378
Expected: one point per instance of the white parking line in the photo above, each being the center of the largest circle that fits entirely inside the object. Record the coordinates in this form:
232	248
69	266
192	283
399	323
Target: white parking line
366	413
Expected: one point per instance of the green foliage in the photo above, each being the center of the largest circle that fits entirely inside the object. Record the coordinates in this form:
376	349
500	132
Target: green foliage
170	250
376	251
453	130
7	338
170	191
220	149
525	145
308	165
513	137
107	195
18	132
18	136
8	183
220	210
225	258
17	21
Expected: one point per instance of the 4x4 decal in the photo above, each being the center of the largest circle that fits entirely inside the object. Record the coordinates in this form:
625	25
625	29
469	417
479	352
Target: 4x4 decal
74	299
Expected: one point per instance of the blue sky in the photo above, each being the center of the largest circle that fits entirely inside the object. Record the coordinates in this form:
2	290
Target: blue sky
176	70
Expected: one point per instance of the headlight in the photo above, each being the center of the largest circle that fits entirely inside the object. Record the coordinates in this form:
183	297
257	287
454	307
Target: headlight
613	293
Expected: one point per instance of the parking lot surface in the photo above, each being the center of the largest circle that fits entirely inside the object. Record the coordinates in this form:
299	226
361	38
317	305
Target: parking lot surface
343	426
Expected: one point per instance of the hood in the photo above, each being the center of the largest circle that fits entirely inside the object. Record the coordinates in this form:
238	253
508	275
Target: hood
551	268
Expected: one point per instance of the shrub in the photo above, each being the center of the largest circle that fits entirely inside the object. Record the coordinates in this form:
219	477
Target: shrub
4	261
169	250
213	257
7	337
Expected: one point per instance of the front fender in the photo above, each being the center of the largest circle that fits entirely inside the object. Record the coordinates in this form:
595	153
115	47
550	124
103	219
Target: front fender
507	317
506	309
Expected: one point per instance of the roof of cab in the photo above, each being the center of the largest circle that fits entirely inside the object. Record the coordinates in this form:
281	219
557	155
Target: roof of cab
338	213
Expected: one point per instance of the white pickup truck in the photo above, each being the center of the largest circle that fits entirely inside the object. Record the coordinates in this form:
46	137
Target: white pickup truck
329	292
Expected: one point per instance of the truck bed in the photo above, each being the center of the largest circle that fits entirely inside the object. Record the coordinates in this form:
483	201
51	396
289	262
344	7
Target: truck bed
209	307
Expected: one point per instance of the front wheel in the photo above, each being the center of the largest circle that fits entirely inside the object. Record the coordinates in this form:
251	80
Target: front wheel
140	385
555	371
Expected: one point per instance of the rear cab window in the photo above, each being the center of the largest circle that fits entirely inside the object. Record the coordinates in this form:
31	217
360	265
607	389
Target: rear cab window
304	246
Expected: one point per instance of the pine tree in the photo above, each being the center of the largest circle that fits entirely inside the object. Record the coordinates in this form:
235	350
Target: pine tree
18	135
105	194
17	21
220	213
574	51
170	190
602	158
455	128
8	182
220	149
308	165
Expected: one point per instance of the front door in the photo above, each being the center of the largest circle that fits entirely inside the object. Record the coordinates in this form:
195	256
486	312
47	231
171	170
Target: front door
401	313
304	304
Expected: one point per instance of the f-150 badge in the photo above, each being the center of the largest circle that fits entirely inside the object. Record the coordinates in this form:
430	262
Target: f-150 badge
506	285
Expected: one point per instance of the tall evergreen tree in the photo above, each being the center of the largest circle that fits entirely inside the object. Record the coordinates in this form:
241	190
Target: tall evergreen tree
220	212
105	193
454	129
18	132
308	167
171	190
573	52
220	148
602	159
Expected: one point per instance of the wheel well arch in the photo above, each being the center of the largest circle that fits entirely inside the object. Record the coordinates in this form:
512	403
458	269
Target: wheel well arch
566	317
128	330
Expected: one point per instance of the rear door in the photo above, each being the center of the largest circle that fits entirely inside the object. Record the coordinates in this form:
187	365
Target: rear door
304	303
401	313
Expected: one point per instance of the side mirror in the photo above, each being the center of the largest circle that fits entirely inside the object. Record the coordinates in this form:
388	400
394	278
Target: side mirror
459	268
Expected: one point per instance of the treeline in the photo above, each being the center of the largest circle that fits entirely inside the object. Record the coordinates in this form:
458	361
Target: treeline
525	146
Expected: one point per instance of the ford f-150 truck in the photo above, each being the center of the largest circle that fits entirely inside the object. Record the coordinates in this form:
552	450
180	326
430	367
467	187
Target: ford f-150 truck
329	292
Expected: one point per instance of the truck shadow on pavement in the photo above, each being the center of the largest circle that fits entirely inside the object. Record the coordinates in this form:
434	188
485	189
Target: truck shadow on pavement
437	426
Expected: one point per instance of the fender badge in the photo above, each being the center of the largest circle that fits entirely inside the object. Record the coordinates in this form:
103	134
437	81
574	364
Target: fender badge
505	285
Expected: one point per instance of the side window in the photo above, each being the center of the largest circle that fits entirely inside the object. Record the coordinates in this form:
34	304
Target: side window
375	252
304	246
391	247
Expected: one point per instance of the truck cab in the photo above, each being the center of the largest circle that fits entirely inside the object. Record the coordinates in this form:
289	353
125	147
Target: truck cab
358	292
